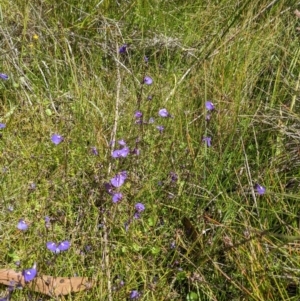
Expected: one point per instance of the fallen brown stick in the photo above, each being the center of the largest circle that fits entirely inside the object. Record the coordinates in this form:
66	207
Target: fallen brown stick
52	286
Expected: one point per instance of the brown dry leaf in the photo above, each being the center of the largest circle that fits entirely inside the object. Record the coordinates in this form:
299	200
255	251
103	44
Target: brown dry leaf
297	13
52	286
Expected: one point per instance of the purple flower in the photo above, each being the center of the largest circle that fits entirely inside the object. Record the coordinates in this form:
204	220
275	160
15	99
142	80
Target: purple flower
57	248
122	142
146	59
5	298
121	153
4	76
30	274
260	189
109	188
174	176
163	113
207	140
117	197
149	97
94	151
123	48
47	221
136	151
134	294
151	120
148	80
119	179
209	106
2	125
126	225
56	139
139	207
173	245
22	225
160	128
137	215
138	114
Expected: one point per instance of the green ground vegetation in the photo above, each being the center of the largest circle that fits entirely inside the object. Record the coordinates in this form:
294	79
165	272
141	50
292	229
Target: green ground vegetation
205	233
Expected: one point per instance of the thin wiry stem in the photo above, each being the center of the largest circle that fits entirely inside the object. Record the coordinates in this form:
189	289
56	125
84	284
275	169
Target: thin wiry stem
113	138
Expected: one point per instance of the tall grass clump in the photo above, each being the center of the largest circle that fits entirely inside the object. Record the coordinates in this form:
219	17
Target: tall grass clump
151	146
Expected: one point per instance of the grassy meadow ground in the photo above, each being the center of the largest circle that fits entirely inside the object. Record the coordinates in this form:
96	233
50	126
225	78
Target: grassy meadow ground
206	233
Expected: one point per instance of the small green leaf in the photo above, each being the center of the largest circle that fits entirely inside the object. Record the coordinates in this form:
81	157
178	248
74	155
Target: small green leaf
192	296
155	250
136	247
48	112
151	221
181	276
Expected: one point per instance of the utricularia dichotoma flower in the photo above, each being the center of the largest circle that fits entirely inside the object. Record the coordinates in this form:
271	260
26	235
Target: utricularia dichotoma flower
57	248
164	113
139	208
134	294
57	139
121	153
207	141
209	106
148	80
123	49
160	128
4	76
260	189
119	179
22	225
30	274
117	197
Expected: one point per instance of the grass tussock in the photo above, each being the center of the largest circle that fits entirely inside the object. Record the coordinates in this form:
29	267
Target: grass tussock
206	232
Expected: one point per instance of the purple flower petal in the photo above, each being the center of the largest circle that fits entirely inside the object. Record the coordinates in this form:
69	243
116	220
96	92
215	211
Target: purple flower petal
163	113
148	80
160	128
30	274
207	140
94	151
209	106
139	207
117	197
260	189
57	248
123	48
51	246
174	176
136	151
109	188
119	179
134	294
138	114
56	139
64	245
4	76
2	125
137	215
121	153
22	225
151	120
122	142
